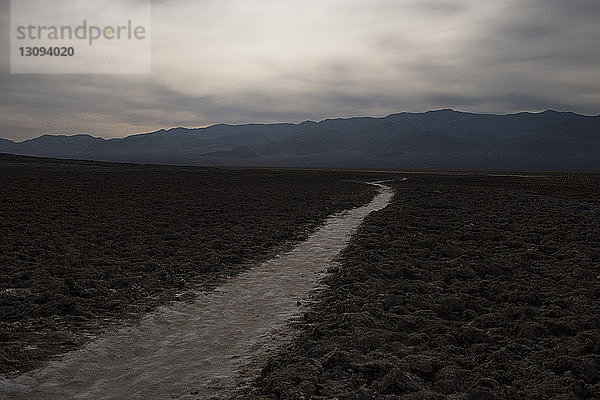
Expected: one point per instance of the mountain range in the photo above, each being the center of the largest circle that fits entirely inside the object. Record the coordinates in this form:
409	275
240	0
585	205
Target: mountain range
442	139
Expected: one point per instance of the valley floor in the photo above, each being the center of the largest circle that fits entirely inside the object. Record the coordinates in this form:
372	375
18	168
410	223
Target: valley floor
88	247
465	287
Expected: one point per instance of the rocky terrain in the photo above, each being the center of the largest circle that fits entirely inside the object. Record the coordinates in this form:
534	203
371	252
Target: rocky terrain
465	287
87	247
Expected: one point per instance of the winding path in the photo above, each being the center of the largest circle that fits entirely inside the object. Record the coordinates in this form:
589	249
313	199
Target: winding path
207	348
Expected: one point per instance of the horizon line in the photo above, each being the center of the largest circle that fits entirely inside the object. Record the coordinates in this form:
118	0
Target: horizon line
297	123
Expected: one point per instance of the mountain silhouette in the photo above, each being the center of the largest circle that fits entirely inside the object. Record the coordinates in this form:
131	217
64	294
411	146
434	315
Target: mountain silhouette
442	139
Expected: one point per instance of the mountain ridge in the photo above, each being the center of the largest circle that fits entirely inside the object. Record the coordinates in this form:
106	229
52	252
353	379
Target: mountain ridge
434	139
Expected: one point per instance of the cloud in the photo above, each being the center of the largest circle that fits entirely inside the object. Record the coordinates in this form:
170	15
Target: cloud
271	60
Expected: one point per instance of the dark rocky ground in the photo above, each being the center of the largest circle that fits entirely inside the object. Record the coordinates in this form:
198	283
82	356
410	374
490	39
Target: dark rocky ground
465	287
86	247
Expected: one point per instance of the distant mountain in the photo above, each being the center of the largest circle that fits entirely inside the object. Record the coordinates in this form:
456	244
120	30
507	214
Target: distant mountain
440	139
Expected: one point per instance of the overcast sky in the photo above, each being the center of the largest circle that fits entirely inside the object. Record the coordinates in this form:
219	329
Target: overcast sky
240	61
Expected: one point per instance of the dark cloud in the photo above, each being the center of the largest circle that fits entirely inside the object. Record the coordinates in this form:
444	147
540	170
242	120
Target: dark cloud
571	8
442	6
326	60
526	30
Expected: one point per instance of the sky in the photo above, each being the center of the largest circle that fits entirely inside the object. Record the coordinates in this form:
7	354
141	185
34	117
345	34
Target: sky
242	61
